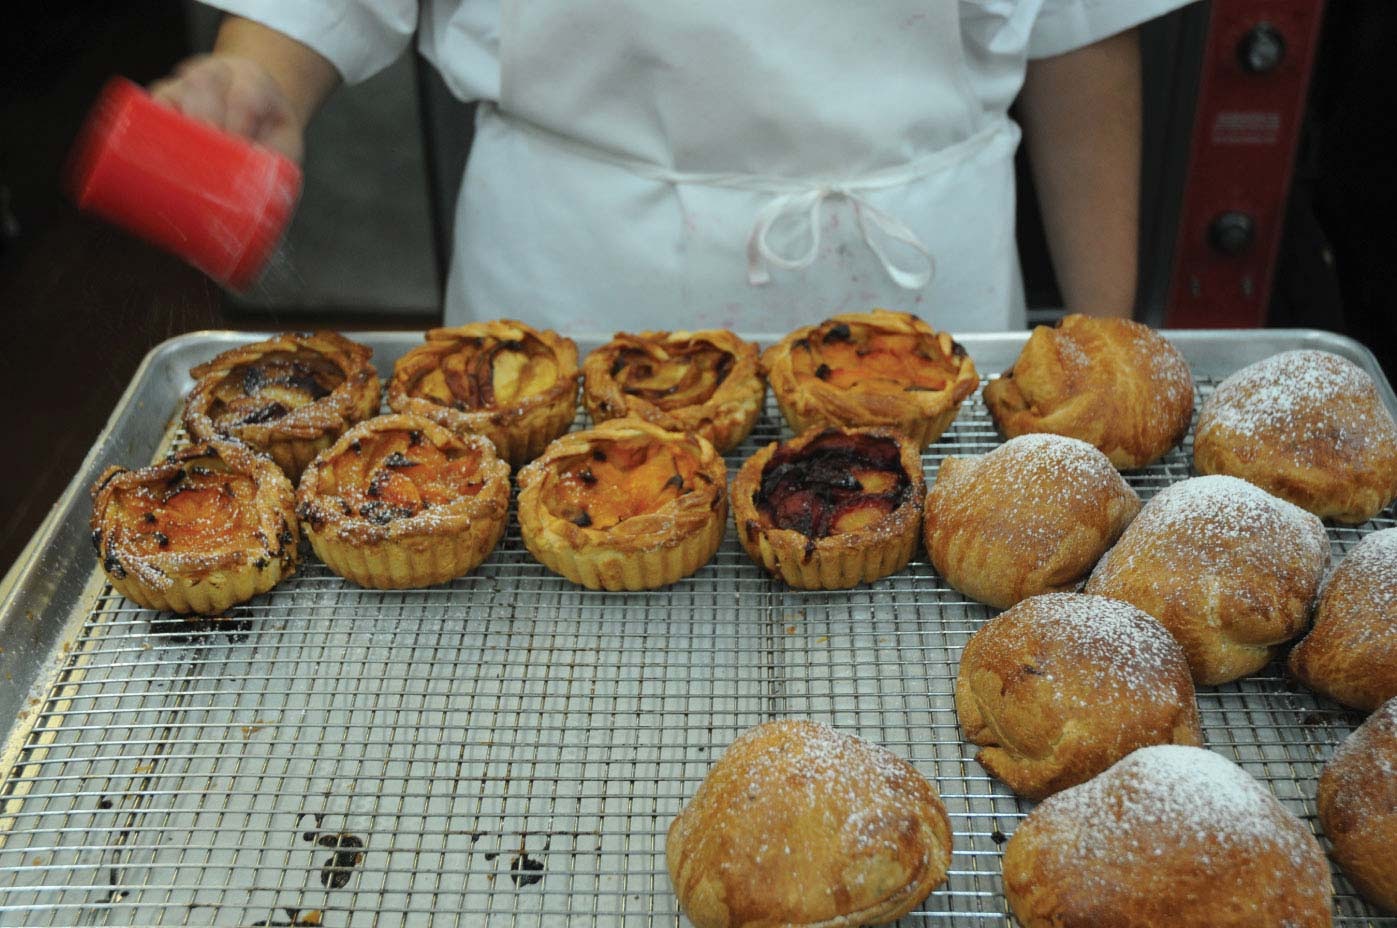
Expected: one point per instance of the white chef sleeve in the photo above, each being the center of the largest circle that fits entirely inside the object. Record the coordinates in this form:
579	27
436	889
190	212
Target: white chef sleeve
360	37
1064	25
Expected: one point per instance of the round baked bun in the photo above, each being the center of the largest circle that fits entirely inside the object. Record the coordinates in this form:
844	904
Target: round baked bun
1358	807
800	825
1171	835
1351	653
1228	568
1308	426
1063	685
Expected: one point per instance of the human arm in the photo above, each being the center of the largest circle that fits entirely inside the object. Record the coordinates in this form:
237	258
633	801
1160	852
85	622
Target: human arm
257	82
1081	117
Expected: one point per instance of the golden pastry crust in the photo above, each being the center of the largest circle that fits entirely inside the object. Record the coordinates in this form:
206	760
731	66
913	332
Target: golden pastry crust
289	397
211	526
1113	383
513	384
1230	570
1358	807
1171	835
875	368
800	825
400	501
1032	516
706	382
798	516
1351	653
1063	685
1307	426
624	506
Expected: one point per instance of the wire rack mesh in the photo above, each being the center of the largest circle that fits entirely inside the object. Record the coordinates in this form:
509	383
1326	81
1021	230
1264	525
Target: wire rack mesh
509	748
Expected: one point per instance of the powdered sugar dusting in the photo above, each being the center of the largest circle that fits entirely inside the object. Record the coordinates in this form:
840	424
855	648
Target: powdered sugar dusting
1367	577
1174	799
1363	771
1037	467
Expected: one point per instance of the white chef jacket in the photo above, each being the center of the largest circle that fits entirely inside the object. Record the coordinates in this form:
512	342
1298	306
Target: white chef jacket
747	164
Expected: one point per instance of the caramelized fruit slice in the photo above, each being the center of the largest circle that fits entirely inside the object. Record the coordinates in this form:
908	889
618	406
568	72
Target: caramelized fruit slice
272	386
619	480
394	474
674	374
202	508
847	356
487	373
837	483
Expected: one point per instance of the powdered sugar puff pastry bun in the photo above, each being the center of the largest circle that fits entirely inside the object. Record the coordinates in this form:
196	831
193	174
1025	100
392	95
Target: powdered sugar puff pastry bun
1358	806
1229	569
1171	835
1032	516
801	825
1308	426
1063	685
1113	383
1351	653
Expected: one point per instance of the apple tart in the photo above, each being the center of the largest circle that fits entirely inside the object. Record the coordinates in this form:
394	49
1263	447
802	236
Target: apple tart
400	501
626	505
211	526
289	396
515	385
831	508
876	368
705	382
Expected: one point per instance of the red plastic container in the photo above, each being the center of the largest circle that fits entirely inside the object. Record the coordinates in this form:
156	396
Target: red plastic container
218	201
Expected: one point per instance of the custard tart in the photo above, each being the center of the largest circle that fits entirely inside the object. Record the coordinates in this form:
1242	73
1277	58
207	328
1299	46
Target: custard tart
624	506
400	501
831	508
289	396
704	382
211	526
515	385
877	368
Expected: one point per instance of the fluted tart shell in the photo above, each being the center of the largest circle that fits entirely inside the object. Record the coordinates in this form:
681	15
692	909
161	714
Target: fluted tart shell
832	507
400	501
878	368
289	396
626	505
707	382
514	384
210	526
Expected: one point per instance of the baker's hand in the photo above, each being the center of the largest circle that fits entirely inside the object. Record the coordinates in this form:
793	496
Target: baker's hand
238	95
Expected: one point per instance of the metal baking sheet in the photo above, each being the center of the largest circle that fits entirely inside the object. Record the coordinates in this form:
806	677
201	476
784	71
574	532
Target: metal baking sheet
507	748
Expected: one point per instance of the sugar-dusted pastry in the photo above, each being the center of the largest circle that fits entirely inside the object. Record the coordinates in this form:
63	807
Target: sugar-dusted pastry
1113	383
831	508
1358	807
705	382
1308	426
209	527
1175	836
1228	568
515	385
624	506
289	396
1351	653
1032	516
1063	685
800	825
874	368
400	501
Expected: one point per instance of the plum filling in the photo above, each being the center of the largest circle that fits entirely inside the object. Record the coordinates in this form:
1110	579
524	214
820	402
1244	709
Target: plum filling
680	374
837	483
271	387
486	372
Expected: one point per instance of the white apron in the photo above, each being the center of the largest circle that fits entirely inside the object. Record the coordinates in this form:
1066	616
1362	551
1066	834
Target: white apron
754	166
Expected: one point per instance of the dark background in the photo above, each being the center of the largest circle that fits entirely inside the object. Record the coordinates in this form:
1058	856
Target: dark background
82	302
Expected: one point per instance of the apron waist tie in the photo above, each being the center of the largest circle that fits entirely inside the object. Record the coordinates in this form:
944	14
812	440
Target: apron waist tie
799	199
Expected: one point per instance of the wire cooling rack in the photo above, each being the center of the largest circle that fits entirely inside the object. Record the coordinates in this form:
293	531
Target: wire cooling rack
509	748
